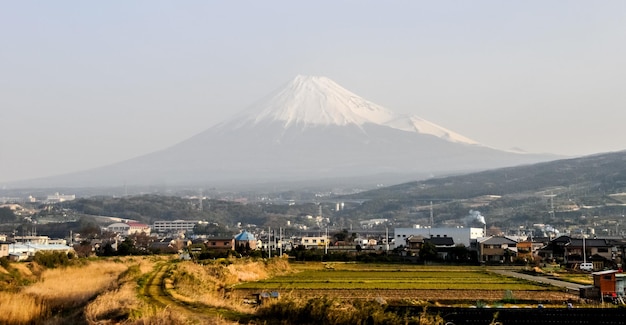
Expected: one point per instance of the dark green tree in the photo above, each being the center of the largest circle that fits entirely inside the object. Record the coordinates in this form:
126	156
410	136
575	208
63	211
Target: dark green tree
428	252
460	253
7	215
341	236
127	247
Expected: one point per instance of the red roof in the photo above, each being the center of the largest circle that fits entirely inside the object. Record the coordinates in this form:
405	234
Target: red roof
137	224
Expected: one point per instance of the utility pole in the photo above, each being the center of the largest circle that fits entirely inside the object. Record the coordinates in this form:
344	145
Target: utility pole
269	240
326	242
432	219
280	240
387	238
200	203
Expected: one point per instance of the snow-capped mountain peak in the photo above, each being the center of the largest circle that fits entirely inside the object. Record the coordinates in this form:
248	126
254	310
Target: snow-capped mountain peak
312	100
319	101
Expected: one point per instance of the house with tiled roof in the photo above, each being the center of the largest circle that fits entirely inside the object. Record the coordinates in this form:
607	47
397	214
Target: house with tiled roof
497	249
4	248
443	244
245	239
568	251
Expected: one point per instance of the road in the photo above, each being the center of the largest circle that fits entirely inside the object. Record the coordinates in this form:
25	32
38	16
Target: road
541	279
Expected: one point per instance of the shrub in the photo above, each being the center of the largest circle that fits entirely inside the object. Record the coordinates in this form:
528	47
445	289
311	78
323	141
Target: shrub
4	262
508	297
52	259
336	312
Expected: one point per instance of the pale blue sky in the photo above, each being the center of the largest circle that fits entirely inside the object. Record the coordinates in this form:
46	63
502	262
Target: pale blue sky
84	84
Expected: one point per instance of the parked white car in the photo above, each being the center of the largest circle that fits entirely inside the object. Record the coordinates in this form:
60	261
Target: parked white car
586	267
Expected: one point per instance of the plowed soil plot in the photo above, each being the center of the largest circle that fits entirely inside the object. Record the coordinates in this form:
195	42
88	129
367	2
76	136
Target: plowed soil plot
400	282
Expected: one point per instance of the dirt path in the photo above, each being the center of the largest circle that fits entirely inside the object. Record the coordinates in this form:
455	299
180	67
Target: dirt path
156	291
573	287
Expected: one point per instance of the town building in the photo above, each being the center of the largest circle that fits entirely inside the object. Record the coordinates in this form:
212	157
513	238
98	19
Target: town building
463	236
245	239
57	198
162	226
572	252
40	240
496	249
220	243
607	286
314	241
25	251
4	248
128	228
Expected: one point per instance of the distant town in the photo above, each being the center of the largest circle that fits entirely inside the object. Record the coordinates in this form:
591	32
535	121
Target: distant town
309	236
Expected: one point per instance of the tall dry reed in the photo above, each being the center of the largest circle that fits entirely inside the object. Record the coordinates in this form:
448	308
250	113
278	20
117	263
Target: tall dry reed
123	302
210	284
69	287
113	305
57	289
20	308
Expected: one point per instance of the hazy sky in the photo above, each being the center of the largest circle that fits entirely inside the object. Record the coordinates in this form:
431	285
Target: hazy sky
85	83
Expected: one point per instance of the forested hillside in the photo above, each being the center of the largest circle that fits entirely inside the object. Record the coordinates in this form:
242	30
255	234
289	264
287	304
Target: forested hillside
149	208
554	192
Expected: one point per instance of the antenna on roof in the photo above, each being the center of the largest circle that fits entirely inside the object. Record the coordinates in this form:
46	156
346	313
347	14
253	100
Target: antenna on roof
432	220
551	195
200	203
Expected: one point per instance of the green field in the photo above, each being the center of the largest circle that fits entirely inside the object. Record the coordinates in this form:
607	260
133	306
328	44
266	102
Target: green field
354	276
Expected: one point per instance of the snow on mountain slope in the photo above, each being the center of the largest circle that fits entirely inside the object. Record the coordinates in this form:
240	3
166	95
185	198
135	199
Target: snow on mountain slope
310	100
420	125
319	101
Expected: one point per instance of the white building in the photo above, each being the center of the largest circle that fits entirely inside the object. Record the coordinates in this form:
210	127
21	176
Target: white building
372	223
175	225
24	251
4	248
40	240
126	229
459	235
310	242
56	198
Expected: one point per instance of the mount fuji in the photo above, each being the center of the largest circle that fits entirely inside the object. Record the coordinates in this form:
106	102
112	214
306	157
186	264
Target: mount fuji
311	128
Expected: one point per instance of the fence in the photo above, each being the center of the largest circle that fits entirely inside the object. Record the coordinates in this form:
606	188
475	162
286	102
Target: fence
518	316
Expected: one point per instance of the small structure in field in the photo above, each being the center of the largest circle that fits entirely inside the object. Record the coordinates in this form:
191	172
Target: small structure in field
607	286
266	296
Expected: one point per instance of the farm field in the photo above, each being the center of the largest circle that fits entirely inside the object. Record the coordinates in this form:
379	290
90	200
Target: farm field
444	284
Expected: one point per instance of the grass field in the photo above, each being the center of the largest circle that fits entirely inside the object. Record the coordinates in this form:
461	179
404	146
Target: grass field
367	276
390	281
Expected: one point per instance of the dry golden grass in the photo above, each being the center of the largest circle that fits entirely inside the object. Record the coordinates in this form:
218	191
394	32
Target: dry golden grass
57	289
202	283
113	305
160	317
28	269
114	286
74	286
124	306
254	271
20	308
209	284
123	302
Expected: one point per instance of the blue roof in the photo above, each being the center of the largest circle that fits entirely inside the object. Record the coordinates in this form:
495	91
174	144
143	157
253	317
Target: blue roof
245	236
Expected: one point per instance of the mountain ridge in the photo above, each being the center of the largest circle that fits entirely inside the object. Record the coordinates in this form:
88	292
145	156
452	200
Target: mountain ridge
316	100
311	128
593	185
